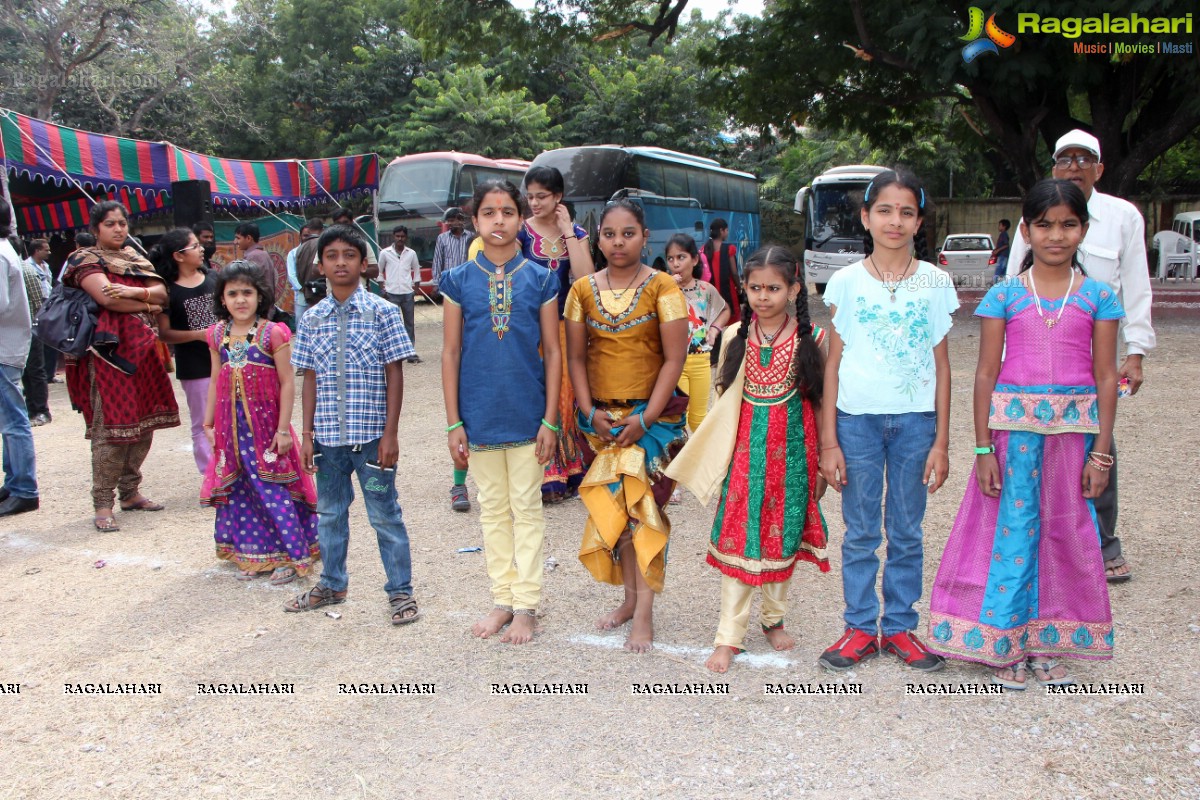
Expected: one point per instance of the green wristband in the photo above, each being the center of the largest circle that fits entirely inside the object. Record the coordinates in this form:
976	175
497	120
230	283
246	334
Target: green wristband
554	428
983	451
455	426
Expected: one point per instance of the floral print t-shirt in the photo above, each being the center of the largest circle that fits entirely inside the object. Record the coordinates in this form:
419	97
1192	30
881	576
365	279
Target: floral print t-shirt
887	363
705	304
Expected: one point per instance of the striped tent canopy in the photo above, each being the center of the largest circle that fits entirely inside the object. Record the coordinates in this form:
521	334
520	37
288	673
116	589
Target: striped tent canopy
236	182
47	152
339	177
67	215
50	162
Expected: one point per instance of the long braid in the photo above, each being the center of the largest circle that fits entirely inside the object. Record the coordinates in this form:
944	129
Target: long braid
868	244
735	353
921	245
810	371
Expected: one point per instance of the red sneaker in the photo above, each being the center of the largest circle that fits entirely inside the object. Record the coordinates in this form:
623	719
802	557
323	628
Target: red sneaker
910	650
848	651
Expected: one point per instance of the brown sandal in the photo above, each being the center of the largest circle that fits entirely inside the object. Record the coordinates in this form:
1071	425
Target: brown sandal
314	598
402	604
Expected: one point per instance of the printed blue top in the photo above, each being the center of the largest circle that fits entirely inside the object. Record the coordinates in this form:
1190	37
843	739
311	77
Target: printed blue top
347	346
502	381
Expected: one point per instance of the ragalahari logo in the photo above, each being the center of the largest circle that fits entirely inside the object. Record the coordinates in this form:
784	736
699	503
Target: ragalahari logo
977	46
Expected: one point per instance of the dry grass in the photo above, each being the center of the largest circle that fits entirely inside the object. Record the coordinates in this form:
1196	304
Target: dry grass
163	610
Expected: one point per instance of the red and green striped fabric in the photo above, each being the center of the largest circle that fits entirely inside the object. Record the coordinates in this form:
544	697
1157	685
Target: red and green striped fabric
237	182
73	214
40	149
339	177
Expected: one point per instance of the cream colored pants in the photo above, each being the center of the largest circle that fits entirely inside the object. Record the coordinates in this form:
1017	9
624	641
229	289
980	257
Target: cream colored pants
510	511
735	609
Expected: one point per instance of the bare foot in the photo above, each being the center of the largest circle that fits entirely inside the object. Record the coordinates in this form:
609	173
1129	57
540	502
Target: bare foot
719	660
520	630
641	636
496	619
780	639
617	618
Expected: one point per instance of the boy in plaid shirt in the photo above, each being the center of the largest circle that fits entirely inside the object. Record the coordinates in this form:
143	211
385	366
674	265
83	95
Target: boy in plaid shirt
351	347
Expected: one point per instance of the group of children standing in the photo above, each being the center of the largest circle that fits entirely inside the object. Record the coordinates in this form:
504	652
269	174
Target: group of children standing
859	407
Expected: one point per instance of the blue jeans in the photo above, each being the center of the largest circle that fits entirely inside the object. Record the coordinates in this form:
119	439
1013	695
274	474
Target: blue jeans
335	493
298	305
16	437
874	445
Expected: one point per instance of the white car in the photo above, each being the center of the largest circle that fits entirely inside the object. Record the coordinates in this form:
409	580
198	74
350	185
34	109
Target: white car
968	258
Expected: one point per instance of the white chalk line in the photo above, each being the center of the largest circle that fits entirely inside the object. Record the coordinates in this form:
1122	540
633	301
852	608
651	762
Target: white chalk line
697	654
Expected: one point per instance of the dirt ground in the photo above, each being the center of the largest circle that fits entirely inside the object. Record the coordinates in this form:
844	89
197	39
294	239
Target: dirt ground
162	610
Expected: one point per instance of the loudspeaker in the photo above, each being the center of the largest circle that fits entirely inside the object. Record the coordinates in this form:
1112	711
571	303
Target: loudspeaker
193	202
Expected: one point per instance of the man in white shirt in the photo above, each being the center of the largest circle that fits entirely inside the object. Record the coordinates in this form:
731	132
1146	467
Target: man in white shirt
400	271
1114	252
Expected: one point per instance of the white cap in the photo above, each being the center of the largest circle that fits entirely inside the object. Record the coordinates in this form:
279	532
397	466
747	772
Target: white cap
1077	138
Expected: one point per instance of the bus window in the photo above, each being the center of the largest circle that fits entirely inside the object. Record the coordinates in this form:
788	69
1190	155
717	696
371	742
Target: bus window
647	175
747	195
676	180
698	187
719	186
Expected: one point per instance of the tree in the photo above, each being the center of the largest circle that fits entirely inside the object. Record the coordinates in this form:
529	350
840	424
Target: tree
851	64
124	67
465	110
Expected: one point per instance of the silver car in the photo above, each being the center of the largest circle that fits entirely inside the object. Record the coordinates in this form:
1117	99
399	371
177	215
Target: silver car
968	258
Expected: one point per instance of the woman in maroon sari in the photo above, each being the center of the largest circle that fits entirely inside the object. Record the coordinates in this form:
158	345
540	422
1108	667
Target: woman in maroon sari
121	384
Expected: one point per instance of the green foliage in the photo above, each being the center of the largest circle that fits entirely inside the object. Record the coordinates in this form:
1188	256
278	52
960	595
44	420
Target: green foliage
465	110
1018	102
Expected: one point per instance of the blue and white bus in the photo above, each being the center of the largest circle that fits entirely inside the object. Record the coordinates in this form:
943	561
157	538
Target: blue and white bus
833	231
680	193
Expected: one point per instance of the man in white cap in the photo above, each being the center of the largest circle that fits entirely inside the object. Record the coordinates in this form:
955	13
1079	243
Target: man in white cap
1114	252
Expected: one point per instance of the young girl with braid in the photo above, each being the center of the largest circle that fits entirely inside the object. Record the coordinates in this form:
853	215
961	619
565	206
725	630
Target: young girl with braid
759	449
885	417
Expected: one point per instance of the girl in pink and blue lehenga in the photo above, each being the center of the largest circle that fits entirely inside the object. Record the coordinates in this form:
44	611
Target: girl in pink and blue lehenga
1021	581
266	505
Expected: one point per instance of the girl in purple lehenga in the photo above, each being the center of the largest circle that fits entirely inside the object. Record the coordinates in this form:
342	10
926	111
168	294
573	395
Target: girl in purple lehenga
1021	581
266	505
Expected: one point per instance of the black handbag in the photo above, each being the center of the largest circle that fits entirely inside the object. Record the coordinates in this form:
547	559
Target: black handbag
67	320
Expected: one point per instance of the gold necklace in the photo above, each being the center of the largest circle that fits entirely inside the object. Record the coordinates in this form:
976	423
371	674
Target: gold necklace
617	295
892	287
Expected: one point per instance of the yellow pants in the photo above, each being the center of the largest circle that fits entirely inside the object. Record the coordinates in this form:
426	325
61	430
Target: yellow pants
735	609
510	511
696	383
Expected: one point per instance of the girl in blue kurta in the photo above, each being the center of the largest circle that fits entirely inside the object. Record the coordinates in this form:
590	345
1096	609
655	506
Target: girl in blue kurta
501	368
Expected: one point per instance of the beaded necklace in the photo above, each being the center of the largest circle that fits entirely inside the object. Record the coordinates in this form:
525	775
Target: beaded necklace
1037	300
767	348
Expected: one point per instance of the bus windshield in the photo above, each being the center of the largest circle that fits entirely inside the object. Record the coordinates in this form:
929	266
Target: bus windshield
589	173
833	217
418	185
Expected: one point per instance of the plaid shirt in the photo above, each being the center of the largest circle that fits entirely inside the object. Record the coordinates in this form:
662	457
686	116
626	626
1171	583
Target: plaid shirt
35	286
347	345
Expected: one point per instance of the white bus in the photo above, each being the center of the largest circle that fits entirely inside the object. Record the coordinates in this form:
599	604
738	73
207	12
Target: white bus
833	231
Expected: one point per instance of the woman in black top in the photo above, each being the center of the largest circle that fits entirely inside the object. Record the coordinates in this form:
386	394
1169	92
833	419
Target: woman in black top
179	258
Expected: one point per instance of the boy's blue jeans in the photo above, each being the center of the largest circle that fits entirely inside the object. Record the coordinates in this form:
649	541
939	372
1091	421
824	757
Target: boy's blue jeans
875	446
335	465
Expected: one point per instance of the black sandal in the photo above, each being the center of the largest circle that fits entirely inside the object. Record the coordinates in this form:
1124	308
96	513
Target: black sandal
314	598
402	603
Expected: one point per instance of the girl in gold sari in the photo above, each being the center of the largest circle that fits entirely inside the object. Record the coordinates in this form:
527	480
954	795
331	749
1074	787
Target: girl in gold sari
627	335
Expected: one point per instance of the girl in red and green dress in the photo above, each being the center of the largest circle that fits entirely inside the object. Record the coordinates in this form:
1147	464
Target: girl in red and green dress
758	449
